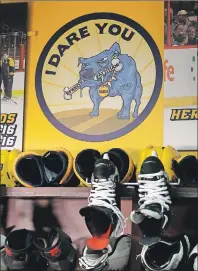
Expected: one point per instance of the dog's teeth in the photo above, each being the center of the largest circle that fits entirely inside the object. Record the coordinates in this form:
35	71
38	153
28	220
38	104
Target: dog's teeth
102	78
109	83
113	78
95	78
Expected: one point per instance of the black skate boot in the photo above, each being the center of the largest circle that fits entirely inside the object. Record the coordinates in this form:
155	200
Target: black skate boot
102	216
154	203
57	249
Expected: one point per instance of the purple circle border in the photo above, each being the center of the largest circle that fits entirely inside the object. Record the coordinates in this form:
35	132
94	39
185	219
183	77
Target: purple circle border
149	106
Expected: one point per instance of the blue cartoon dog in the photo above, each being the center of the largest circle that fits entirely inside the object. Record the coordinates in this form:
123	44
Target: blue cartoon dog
125	81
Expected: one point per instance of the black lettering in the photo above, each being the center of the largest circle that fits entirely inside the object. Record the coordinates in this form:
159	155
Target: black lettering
84	32
62	48
50	72
54	60
101	27
71	38
115	29
125	37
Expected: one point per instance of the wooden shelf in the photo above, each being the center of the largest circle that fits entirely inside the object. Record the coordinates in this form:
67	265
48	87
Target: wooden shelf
125	192
45	192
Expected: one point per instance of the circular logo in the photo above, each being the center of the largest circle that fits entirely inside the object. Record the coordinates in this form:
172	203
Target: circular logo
99	77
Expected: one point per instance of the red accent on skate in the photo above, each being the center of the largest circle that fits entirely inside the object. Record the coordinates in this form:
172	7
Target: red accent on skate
55	252
8	252
99	242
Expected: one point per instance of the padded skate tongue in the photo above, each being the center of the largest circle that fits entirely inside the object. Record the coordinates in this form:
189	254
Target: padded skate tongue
151	165
99	221
103	169
84	164
55	165
151	229
99	242
123	162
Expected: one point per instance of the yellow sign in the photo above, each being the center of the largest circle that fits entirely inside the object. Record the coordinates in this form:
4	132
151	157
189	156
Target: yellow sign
123	33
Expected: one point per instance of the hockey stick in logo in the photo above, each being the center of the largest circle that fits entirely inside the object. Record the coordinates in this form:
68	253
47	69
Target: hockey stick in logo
115	67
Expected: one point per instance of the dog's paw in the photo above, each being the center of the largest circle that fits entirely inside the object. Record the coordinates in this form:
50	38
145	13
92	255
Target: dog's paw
135	115
93	114
123	116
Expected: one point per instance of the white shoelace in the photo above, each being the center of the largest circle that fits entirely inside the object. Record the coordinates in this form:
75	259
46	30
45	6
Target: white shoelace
151	191
103	194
